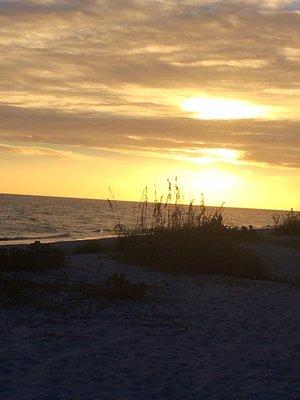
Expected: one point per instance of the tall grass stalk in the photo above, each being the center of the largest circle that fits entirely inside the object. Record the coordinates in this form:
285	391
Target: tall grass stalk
167	213
175	237
288	223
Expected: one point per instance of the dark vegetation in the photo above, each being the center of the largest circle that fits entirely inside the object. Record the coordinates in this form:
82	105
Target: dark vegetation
287	224
20	292
186	239
116	286
192	251
58	295
34	257
17	292
92	246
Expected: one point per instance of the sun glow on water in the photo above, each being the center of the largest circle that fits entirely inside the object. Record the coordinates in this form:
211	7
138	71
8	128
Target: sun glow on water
218	108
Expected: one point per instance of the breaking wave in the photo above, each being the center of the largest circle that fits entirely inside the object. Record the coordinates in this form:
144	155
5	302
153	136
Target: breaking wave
58	236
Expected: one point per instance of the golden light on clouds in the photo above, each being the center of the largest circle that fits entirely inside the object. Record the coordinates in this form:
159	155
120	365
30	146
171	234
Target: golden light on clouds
124	94
225	109
224	154
206	156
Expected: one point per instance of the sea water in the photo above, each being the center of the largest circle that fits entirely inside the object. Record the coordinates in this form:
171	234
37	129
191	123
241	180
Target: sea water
24	219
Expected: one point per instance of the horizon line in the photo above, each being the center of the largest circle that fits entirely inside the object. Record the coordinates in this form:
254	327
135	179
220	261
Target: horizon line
134	201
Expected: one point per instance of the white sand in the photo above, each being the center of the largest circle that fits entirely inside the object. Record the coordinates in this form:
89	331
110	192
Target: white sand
196	338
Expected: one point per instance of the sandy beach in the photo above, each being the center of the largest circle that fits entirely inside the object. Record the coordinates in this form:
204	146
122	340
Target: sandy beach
192	337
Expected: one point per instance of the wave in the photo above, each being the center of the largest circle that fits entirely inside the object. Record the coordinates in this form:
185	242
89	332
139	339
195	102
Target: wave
15	238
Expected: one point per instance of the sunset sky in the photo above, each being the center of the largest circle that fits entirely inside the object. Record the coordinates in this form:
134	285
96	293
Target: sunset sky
128	93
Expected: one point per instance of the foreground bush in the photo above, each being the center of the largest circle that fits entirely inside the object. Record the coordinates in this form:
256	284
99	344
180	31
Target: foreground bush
166	212
90	247
35	257
210	251
16	292
287	224
184	238
116	286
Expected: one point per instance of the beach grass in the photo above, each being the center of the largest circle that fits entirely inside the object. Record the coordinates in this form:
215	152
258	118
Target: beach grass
287	223
90	247
116	286
173	237
34	257
192	251
61	296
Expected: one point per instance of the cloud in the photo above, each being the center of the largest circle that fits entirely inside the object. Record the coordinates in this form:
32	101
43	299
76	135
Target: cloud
132	42
32	151
259	141
105	74
37	151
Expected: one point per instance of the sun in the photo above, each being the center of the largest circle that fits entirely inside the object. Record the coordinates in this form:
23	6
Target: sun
218	184
219	108
216	180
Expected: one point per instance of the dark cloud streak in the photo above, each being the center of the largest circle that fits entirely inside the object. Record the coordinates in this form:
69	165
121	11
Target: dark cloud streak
274	142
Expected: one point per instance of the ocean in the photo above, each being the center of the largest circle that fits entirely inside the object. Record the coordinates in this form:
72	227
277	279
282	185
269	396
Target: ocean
24	219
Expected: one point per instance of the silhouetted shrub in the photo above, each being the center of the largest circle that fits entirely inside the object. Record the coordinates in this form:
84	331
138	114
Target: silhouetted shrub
93	246
116	286
166	213
210	251
287	224
16	292
120	287
183	238
34	257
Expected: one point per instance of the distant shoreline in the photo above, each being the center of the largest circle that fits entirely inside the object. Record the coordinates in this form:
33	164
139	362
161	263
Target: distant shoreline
54	241
67	242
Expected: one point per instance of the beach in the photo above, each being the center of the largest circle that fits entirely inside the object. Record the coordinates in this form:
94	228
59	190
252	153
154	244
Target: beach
192	337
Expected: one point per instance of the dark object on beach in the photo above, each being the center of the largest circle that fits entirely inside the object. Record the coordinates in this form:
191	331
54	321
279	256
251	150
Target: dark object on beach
91	246
287	224
209	251
35	257
122	288
65	296
180	238
116	286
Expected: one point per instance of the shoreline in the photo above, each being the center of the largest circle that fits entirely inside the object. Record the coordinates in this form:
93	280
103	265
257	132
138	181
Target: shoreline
67	239
54	240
